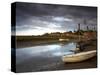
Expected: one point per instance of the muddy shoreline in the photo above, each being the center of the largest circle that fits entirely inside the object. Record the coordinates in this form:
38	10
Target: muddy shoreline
57	65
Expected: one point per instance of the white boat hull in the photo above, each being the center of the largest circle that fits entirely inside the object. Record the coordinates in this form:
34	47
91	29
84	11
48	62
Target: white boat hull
63	39
79	56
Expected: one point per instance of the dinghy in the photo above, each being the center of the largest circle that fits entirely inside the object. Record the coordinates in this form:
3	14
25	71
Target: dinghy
78	57
63	39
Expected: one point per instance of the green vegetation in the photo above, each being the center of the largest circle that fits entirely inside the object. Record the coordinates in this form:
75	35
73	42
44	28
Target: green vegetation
34	38
56	36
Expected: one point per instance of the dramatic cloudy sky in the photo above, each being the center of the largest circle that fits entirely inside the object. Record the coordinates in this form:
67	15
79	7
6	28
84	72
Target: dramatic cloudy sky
37	19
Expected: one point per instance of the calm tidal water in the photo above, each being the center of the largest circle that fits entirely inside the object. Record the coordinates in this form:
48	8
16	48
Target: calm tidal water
48	57
44	51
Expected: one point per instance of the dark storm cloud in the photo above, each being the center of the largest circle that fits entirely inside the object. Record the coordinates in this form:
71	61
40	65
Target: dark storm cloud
55	10
62	17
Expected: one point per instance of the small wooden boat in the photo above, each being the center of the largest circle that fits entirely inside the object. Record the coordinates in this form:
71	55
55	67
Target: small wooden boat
78	57
63	39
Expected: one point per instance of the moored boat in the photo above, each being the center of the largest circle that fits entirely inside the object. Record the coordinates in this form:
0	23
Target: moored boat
78	57
63	39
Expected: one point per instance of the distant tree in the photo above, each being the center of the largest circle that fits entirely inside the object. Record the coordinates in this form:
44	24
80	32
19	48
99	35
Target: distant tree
70	32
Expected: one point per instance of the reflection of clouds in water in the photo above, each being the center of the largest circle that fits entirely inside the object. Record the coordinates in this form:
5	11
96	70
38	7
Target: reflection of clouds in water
65	49
44	48
44	51
62	53
40	51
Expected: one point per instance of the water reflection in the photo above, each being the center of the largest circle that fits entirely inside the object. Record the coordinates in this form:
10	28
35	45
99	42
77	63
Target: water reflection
44	51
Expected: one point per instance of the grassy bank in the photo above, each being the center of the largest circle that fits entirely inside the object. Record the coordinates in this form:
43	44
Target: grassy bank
41	38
